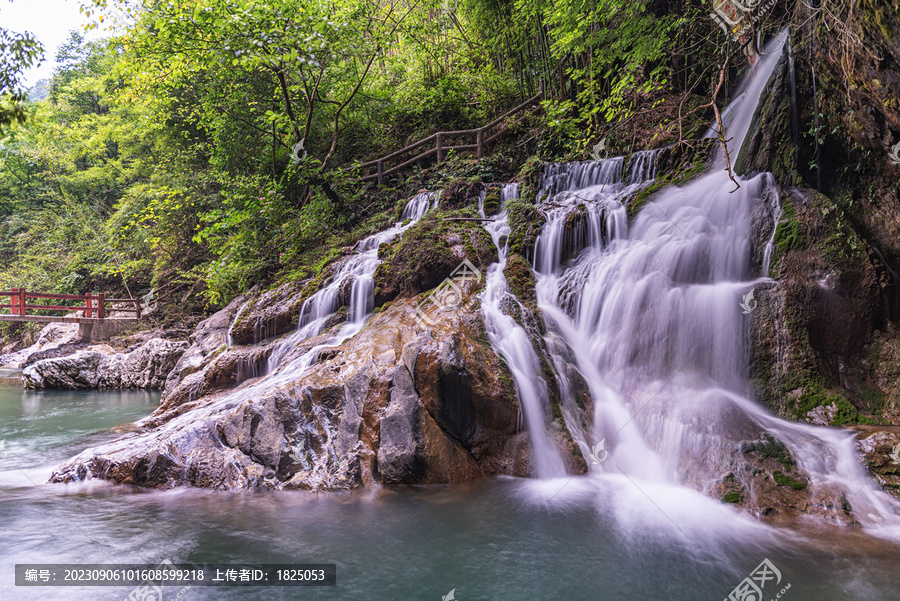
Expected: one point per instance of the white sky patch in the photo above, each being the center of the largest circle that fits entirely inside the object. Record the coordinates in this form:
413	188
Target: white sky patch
50	21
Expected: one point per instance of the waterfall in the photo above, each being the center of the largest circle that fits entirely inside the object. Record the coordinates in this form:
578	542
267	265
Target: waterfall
650	316
511	341
359	271
738	115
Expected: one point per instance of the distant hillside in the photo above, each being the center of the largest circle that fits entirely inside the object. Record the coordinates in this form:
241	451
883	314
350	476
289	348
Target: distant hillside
39	91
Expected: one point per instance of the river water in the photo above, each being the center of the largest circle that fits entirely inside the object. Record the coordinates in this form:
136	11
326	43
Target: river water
599	537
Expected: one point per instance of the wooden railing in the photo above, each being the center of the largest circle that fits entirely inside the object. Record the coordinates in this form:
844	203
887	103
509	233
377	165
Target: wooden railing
94	306
442	144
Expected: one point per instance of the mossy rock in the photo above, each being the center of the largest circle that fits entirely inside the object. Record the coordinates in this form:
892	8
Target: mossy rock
782	479
429	252
520	279
492	201
732	497
525	223
769	447
460	193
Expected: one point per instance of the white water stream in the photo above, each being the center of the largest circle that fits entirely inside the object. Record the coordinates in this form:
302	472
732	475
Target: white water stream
511	341
360	269
652	316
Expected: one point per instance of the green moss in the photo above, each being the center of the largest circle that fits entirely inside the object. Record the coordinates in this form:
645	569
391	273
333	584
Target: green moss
425	255
873	398
788	232
525	223
769	447
520	278
782	479
733	497
814	395
492	202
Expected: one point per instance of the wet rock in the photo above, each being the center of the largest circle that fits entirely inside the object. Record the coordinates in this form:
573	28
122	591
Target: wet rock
209	338
881	448
398	403
73	372
55	339
100	367
270	314
427	254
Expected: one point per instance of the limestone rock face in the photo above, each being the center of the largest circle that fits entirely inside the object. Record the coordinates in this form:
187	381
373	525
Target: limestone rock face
880	445
148	366
72	372
270	314
55	339
399	402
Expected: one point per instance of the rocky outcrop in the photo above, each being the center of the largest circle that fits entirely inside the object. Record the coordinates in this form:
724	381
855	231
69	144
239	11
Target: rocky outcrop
270	314
54	340
428	253
881	448
148	366
811	335
400	402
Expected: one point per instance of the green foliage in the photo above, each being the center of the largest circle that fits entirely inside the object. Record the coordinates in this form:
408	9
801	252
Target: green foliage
169	156
18	52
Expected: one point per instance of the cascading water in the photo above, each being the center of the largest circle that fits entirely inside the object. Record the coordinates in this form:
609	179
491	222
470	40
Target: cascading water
511	341
360	269
651	316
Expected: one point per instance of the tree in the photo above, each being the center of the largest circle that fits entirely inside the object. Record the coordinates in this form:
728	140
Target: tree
18	52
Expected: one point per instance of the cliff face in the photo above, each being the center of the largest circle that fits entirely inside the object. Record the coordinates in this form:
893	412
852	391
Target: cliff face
824	342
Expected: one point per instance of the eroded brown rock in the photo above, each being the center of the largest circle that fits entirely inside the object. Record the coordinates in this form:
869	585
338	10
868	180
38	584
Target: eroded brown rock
398	403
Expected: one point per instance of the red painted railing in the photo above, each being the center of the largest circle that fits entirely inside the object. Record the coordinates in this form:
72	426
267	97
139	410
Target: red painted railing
94	304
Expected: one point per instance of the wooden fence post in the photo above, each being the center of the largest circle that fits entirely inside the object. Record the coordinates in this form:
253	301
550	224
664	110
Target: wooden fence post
14	301
440	151
101	303
380	171
480	138
22	309
88	305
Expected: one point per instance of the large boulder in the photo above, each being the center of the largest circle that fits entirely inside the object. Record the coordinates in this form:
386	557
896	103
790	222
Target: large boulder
148	366
400	402
54	340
